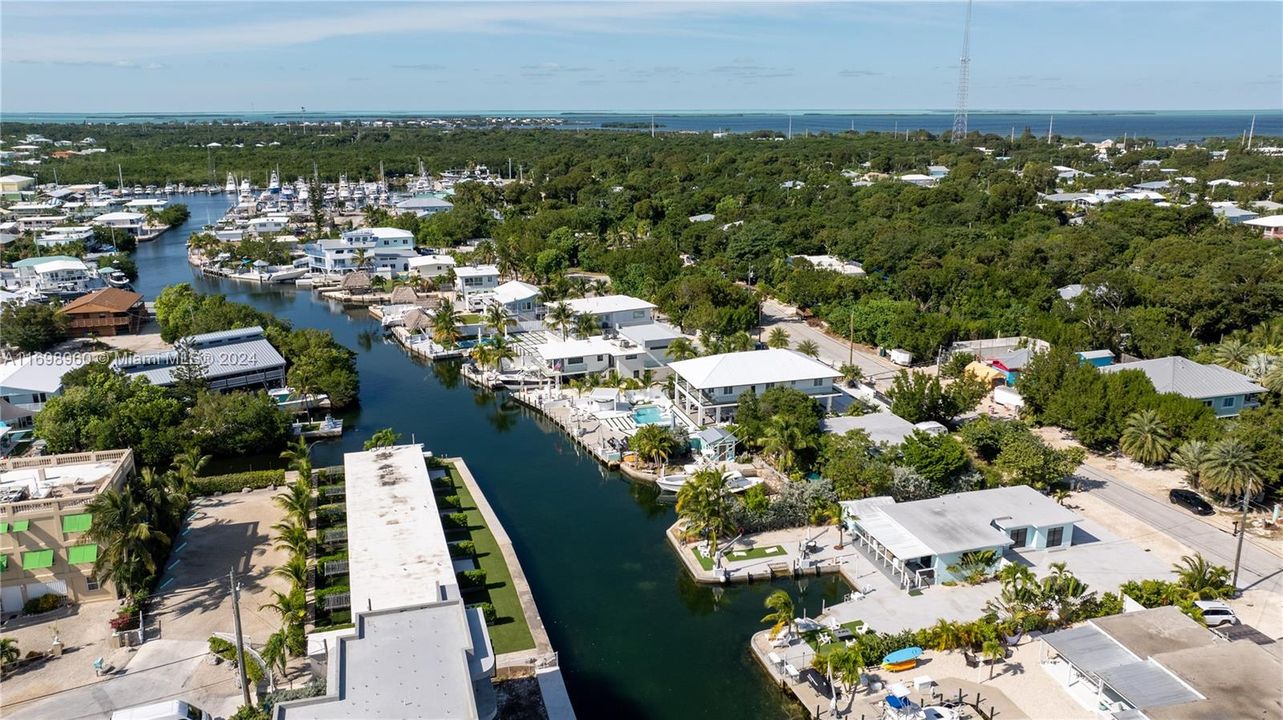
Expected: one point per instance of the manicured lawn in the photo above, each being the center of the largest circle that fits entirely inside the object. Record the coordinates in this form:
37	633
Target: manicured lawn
854	626
757	553
509	632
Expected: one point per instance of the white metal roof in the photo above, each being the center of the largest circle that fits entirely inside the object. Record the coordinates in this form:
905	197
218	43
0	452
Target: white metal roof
752	367
882	427
515	291
421	260
608	304
648	332
562	349
60	265
38	373
1193	380
1269	221
476	271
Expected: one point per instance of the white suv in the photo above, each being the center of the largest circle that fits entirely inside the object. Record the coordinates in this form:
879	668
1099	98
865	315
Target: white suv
1216	613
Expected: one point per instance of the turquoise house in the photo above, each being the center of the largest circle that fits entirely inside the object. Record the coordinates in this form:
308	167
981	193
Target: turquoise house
1096	358
1226	392
917	542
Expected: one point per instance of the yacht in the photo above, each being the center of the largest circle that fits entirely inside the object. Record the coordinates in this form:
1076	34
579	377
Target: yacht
274	183
230	187
733	480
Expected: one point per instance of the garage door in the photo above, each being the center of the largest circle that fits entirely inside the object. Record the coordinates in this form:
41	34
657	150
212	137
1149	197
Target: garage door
36	589
11	598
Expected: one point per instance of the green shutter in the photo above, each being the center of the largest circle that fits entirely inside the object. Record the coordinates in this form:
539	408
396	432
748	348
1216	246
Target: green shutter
4	563
76	523
82	554
37	559
21	525
4	527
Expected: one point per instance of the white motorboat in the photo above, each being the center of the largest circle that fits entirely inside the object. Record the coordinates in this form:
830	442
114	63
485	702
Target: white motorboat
736	482
733	480
671	483
286	399
114	277
285	273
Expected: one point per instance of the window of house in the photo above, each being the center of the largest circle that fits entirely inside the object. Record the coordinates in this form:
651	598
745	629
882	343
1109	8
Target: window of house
1055	536
819	382
727	390
1208	403
1019	537
91	582
600	358
574	361
639	313
1227	402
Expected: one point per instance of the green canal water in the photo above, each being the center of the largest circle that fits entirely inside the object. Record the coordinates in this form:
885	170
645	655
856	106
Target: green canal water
637	638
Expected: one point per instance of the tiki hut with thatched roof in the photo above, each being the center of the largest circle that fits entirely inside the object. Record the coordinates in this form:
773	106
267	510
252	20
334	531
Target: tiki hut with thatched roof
356	282
417	320
404	295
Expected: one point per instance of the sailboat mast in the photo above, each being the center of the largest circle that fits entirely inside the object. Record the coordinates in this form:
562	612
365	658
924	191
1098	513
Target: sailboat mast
1251	131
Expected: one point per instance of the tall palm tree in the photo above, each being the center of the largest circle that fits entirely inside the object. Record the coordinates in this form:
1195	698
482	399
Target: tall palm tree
1232	353
682	349
851	374
493	354
296	501
1273	379
497	318
1190	457
361	258
1233	471
777	338
1145	438
993	651
739	342
704	503
652	443
781	614
586	325
298	456
292	537
188	466
809	347
290	606
560	317
123	530
1259	365
445	323
294	570
781	439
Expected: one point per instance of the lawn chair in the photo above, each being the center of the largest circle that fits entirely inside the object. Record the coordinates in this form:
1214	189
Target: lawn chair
99	667
971	660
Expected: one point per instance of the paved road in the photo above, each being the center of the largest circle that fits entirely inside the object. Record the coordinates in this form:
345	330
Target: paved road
1260	568
832	350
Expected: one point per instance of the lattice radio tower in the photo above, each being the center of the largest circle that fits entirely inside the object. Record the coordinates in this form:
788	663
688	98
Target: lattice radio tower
964	81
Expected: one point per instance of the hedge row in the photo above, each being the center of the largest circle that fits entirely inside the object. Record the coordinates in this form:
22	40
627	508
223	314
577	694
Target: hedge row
233	482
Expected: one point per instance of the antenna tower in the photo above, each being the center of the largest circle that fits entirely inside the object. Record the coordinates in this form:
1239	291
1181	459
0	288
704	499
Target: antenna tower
964	81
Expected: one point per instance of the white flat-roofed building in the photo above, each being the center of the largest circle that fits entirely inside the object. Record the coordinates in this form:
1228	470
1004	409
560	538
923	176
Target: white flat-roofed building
231	360
36	207
614	311
917	542
475	283
708	388
431	266
30	381
520	299
65	234
828	262
141	204
387	251
130	222
417	651
35	223
571	358
423	206
57	274
268	224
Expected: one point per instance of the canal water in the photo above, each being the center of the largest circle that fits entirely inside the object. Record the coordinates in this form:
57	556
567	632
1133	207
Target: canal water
637	638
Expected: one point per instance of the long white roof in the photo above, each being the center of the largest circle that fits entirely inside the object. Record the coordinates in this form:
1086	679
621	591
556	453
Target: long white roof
1193	380
754	367
515	291
562	349
608	304
1269	221
40	373
476	271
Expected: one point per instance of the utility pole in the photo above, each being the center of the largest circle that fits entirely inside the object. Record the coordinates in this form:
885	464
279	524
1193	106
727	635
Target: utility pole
241	657
850	338
1238	552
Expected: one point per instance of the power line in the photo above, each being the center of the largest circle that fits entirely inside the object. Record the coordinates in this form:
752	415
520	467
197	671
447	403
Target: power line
964	82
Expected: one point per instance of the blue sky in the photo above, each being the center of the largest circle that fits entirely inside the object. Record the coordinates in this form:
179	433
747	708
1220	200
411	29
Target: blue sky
184	56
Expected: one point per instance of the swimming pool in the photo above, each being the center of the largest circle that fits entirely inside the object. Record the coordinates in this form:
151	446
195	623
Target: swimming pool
648	415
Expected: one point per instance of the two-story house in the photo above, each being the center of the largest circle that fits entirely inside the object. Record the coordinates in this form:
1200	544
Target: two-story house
708	388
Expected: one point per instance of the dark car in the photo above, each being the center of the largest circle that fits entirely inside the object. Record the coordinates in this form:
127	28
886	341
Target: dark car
818	682
1191	500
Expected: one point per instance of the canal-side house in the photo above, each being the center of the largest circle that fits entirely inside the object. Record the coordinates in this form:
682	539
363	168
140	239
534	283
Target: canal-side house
432	266
108	312
708	388
43	548
916	543
1226	392
387	252
133	223
26	384
230	360
475	284
56	274
416	648
521	300
632	352
614	311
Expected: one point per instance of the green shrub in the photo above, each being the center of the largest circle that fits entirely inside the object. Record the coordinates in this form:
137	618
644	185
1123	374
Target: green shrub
459	520
227	651
233	482
331	514
487	611
44	604
463	548
451	501
472	578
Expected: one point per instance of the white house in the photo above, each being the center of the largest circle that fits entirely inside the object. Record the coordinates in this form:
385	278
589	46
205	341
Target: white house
708	388
29	382
40	222
1271	226
387	251
268	224
918	542
130	222
423	206
632	352
614	311
475	283
230	359
431	266
1228	393
57	274
521	300
65	234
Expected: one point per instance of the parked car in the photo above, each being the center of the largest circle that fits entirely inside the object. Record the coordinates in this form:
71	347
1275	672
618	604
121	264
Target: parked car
1216	613
818	682
1191	500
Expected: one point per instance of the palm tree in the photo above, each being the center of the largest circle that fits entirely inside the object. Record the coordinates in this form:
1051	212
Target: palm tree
851	374
781	439
188	465
560	317
497	318
682	349
292	537
298	456
387	437
1146	438
1259	366
157	492
993	651
1273	380
945	635
1190	457
704	504
1060	495
809	347
275	653
295	501
1232	353
653	443
290	606
493	354
295	570
1203	579
1232	470
123	530
777	338
445	323
9	652
780	604
361	258
586	325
